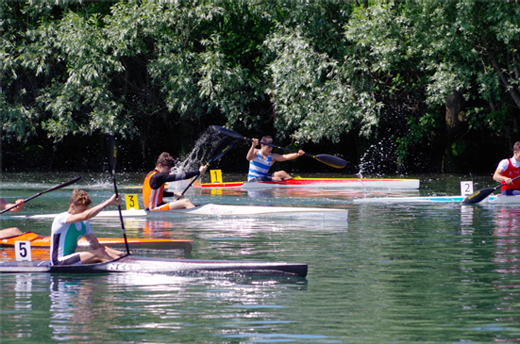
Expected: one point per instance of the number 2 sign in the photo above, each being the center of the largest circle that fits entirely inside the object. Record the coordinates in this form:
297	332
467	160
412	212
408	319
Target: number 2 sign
466	188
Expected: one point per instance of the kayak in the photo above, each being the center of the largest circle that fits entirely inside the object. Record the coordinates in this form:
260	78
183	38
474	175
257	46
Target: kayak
336	183
220	210
432	199
492	199
137	264
40	241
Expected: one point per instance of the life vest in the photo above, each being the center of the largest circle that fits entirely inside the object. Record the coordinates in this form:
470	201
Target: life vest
511	172
152	198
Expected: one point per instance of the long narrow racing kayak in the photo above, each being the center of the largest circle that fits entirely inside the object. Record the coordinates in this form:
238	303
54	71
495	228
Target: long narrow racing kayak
220	210
138	264
40	241
492	199
428	199
336	183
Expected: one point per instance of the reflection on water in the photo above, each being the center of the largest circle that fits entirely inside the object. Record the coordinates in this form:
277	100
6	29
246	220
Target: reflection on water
441	273
507	233
131	305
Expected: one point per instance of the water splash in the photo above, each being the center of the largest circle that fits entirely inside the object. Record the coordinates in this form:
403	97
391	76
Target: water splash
379	159
200	153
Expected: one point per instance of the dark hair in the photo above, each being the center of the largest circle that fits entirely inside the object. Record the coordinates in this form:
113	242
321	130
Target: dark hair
267	139
165	159
516	146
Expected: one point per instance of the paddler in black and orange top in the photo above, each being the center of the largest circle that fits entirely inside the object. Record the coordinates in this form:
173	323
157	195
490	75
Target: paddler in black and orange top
153	185
12	231
507	170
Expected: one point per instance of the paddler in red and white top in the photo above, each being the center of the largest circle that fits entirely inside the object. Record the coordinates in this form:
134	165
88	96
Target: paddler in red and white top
507	170
153	185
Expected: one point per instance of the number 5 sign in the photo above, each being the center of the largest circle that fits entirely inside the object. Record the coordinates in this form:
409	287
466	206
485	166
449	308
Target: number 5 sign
22	250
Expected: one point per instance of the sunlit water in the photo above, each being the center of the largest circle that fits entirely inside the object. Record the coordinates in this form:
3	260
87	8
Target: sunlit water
409	272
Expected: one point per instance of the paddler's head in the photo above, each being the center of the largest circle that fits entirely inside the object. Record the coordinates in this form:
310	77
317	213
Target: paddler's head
165	162
79	201
516	151
265	148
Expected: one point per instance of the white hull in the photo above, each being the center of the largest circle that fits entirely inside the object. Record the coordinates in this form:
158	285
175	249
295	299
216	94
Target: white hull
218	210
492	199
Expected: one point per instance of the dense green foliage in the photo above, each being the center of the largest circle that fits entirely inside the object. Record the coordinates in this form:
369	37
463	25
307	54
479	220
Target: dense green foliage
413	86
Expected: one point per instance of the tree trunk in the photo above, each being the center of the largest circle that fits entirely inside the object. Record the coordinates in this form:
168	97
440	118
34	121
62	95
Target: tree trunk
454	105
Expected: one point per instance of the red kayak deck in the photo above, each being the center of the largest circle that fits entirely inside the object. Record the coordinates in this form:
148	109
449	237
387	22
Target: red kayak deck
40	241
345	183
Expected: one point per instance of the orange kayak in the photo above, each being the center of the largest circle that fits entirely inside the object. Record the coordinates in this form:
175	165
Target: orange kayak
39	241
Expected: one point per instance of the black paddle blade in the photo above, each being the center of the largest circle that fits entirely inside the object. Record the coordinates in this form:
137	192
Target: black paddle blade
228	132
222	148
478	196
331	160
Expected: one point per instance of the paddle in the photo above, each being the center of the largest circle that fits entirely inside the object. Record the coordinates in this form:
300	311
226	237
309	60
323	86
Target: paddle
222	148
327	159
41	193
112	159
482	194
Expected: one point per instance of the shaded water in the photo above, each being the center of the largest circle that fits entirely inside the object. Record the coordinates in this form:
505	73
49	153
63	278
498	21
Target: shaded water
394	273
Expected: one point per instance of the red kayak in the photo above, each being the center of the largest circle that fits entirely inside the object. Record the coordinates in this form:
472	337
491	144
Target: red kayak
39	241
324	183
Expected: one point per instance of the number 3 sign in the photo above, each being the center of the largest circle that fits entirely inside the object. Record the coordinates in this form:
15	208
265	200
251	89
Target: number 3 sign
22	250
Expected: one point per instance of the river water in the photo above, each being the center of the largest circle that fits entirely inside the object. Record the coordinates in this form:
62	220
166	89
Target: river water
436	273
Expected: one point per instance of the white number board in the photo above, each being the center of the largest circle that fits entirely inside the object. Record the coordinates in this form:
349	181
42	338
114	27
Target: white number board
22	250
466	188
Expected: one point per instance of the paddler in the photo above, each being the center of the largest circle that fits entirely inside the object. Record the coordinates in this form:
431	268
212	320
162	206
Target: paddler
70	226
11	231
507	170
261	160
153	185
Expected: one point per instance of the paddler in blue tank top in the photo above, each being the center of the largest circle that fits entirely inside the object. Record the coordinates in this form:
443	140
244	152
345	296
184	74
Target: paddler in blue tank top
507	170
261	160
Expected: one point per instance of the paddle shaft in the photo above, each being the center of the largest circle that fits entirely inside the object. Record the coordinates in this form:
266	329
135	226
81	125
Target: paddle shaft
112	161
43	192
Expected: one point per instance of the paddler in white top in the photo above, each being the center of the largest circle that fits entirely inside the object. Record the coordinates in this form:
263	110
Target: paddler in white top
261	160
507	170
69	227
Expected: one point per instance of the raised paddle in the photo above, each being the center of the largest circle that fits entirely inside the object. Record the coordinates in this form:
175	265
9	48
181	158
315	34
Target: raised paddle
327	159
222	148
41	193
482	194
112	160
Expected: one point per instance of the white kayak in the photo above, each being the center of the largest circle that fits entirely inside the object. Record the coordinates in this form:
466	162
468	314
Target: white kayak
492	199
220	210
